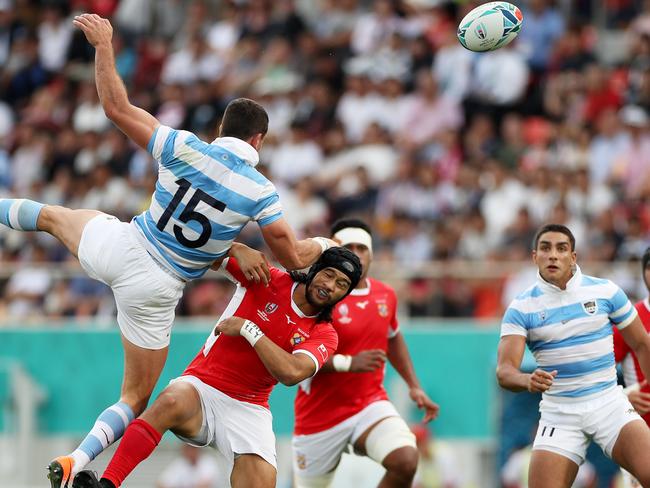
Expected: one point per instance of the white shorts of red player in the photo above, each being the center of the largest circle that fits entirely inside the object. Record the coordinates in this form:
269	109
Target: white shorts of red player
567	425
315	456
232	426
146	294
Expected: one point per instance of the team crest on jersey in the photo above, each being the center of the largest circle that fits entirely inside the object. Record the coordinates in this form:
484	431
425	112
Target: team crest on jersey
382	308
271	307
344	311
301	461
297	339
591	307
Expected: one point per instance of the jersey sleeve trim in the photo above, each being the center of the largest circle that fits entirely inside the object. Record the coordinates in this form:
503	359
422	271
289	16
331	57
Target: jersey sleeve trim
513	329
158	140
270	219
392	333
634	314
313	358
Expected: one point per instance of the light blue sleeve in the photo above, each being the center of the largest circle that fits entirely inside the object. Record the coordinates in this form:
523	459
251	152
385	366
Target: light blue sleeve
514	322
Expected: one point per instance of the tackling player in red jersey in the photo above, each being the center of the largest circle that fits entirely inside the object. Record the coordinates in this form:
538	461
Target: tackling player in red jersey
637	388
280	332
346	403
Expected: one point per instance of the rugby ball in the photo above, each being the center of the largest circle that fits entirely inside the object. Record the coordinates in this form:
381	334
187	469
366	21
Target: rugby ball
490	26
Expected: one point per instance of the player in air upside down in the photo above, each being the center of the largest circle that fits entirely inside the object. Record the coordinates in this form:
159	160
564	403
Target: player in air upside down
205	194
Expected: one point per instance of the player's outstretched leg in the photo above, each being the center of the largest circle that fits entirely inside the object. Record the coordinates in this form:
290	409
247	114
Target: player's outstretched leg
631	450
142	369
63	223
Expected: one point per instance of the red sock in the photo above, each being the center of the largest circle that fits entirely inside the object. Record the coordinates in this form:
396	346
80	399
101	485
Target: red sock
139	441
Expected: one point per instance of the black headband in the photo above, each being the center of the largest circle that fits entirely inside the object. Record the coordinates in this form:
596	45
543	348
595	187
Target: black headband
338	258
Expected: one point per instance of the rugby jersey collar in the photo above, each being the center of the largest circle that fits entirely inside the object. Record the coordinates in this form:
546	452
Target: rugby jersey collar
572	284
362	291
239	148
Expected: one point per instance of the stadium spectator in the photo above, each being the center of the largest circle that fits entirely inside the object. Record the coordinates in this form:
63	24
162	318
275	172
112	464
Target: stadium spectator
193	469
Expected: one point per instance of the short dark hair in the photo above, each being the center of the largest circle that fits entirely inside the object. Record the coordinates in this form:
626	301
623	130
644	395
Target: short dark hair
243	119
347	223
562	229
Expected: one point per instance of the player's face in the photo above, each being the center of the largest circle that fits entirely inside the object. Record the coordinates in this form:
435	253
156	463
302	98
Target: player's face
554	258
328	287
363	253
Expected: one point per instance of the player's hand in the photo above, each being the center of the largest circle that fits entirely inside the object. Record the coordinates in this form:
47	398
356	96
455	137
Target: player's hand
97	29
253	263
367	361
640	400
230	326
422	400
540	381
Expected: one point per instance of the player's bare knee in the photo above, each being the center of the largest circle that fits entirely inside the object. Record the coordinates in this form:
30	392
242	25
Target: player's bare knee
402	462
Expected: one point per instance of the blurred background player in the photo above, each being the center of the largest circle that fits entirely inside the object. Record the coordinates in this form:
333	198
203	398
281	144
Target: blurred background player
566	319
438	466
204	195
347	403
636	385
192	469
222	398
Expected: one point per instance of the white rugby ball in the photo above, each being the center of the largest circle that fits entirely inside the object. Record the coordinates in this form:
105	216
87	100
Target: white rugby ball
490	26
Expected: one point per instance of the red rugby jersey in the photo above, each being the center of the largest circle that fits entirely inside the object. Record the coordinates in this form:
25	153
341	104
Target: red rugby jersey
232	366
365	319
631	370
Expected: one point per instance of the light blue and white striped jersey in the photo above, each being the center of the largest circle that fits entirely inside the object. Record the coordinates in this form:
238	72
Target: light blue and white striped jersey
204	195
571	331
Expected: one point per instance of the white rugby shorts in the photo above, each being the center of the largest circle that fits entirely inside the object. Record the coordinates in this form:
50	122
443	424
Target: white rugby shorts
145	294
231	426
568	425
318	454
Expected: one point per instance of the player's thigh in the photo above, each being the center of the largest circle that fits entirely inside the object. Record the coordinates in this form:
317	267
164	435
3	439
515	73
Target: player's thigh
65	224
391	443
177	408
251	470
551	470
631	450
316	456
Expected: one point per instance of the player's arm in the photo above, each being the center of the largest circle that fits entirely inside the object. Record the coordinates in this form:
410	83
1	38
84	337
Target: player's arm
638	339
510	377
288	369
363	362
399	357
252	262
289	251
136	123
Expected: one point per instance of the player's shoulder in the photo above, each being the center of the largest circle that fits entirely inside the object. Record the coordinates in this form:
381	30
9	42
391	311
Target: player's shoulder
377	286
588	281
529	294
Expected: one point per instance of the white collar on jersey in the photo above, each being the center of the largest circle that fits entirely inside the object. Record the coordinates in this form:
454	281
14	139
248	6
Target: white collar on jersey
239	148
572	284
296	308
362	291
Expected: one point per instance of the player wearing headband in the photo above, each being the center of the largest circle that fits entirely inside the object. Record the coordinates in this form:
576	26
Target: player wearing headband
346	402
278	332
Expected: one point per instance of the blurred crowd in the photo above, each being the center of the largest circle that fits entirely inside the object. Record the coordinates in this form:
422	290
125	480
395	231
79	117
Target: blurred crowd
375	111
